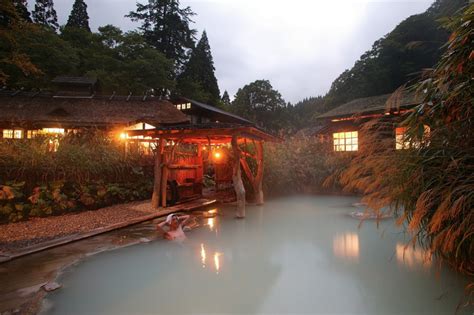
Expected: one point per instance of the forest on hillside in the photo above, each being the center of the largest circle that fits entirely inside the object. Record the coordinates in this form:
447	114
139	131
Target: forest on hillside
163	56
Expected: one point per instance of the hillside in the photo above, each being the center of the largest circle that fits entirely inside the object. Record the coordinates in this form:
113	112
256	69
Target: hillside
395	59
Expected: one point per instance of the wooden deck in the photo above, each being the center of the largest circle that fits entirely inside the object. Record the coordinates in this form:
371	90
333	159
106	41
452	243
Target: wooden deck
186	206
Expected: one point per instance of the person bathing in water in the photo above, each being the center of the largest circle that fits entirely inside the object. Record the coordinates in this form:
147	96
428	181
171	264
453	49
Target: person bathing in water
173	227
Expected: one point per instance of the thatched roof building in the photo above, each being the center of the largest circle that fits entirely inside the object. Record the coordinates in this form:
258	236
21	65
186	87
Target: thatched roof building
379	104
37	110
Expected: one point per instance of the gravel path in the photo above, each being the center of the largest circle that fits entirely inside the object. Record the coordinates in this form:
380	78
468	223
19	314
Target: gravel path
16	236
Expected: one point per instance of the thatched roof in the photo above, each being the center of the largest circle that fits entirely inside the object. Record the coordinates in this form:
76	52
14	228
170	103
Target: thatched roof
74	80
373	105
39	109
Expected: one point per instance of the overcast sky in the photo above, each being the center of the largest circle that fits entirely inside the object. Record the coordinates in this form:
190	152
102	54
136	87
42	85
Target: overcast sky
301	46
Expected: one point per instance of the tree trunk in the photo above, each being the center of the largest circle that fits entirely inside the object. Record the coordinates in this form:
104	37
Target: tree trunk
237	180
155	199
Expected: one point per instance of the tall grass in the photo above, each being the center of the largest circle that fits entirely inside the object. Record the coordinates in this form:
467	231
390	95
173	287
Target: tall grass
431	184
300	165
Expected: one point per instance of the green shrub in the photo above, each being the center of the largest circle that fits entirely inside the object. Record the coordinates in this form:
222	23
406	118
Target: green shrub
300	164
88	171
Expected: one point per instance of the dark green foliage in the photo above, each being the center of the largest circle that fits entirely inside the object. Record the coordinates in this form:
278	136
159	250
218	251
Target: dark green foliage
21	7
44	14
51	55
260	103
17	203
395	59
79	17
198	80
300	165
303	113
12	59
88	171
166	27
225	99
122	62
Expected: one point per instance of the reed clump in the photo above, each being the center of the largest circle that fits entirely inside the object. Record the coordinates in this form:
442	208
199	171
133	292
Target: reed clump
430	183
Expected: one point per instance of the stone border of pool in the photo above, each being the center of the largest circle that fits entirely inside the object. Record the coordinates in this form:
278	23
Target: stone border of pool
187	206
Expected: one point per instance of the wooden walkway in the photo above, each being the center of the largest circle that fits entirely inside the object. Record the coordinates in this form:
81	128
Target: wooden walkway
187	206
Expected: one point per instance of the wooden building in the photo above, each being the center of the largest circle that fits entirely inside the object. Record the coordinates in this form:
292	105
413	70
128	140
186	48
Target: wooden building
183	136
200	113
343	125
75	106
241	142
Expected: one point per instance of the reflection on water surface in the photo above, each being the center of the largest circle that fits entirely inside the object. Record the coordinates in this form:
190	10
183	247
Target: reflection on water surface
412	257
288	256
346	246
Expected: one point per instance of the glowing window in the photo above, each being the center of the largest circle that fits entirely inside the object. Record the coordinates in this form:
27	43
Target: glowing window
30	134
178	106
12	134
346	141
188	105
53	130
402	141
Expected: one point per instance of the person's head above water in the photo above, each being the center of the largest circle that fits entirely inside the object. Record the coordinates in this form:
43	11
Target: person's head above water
173	220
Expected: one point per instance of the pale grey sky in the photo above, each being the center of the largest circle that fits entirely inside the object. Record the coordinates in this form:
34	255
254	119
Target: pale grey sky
301	46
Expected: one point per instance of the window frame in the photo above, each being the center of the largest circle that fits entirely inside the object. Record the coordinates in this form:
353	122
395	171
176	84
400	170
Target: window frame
346	141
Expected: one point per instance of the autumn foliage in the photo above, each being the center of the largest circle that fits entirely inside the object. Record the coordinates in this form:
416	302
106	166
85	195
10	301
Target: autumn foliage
430	185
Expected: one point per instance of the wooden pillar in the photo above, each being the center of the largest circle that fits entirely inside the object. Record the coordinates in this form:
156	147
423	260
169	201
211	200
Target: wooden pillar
164	180
237	179
155	199
257	185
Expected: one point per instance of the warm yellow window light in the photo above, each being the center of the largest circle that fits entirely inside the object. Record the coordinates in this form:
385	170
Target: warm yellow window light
402	141
53	130
12	133
346	141
123	136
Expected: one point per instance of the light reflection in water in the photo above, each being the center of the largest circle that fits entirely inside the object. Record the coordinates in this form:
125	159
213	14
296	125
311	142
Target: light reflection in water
216	261
346	246
203	256
412	257
211	222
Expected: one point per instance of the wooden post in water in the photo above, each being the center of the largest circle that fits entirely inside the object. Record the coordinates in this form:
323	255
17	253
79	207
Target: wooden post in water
257	185
237	179
257	179
164	180
155	199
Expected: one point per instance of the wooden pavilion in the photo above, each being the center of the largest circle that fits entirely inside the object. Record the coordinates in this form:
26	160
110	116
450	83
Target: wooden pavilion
244	143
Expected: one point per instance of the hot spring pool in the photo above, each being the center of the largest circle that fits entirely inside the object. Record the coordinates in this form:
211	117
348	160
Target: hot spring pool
293	255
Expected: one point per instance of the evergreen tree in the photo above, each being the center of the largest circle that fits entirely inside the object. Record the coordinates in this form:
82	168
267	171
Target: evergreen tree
12	59
225	99
166	27
22	10
262	104
198	80
79	17
44	14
